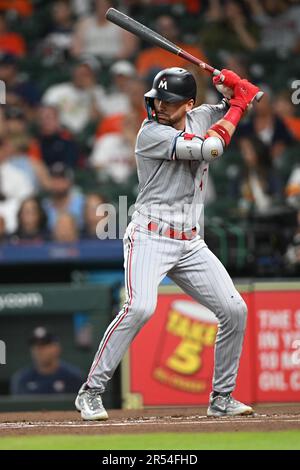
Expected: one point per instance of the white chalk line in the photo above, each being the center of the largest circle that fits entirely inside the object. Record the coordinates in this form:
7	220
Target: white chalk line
13	426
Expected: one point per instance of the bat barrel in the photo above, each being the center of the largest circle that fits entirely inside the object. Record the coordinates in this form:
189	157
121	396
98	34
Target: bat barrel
140	30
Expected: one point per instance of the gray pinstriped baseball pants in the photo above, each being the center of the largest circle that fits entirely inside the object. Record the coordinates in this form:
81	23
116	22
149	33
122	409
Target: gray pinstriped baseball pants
148	258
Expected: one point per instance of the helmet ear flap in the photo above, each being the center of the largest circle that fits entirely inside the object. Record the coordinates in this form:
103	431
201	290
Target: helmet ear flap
150	109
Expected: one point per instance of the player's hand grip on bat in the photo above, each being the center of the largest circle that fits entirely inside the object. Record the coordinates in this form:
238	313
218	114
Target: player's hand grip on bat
244	93
225	82
227	78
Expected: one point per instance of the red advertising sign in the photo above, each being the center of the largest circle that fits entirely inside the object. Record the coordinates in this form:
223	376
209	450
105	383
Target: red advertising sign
277	333
171	360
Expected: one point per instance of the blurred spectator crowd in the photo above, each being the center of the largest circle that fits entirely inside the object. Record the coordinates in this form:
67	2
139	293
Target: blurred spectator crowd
74	104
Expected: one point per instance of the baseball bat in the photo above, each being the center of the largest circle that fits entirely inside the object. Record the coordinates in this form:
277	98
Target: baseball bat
147	34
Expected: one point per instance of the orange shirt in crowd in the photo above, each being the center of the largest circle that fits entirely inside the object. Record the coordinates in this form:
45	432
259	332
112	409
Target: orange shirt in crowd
161	59
110	124
293	124
114	123
23	7
12	43
34	150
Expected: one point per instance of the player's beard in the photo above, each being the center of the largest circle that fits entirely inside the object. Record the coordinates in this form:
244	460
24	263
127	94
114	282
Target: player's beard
176	119
173	120
164	119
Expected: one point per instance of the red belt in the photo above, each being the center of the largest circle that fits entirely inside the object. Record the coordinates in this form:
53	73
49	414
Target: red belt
171	233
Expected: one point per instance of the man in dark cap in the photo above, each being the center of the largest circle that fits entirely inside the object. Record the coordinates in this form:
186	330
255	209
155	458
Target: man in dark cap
64	197
48	374
57	144
16	86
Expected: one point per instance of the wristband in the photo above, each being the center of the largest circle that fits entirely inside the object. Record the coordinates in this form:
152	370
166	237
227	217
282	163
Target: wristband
222	132
234	115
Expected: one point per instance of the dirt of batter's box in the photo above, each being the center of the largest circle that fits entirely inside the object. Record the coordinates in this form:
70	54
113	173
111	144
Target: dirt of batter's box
273	417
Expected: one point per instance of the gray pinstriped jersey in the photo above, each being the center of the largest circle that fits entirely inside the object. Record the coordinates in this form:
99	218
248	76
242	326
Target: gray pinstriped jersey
173	191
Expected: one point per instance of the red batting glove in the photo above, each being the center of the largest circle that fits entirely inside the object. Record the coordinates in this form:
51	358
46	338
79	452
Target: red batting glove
244	93
226	78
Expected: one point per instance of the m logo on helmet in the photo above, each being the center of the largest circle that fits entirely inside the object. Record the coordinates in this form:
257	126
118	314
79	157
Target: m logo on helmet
163	84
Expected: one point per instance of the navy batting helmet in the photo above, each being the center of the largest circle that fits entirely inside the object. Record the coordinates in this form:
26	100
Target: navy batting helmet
171	85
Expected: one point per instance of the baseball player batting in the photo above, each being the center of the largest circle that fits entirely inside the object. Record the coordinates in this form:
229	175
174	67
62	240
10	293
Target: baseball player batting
174	148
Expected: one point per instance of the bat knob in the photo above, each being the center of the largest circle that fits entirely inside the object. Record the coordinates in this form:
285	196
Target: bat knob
259	96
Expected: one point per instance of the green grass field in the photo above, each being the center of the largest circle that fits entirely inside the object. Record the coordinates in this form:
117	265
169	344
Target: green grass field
286	440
